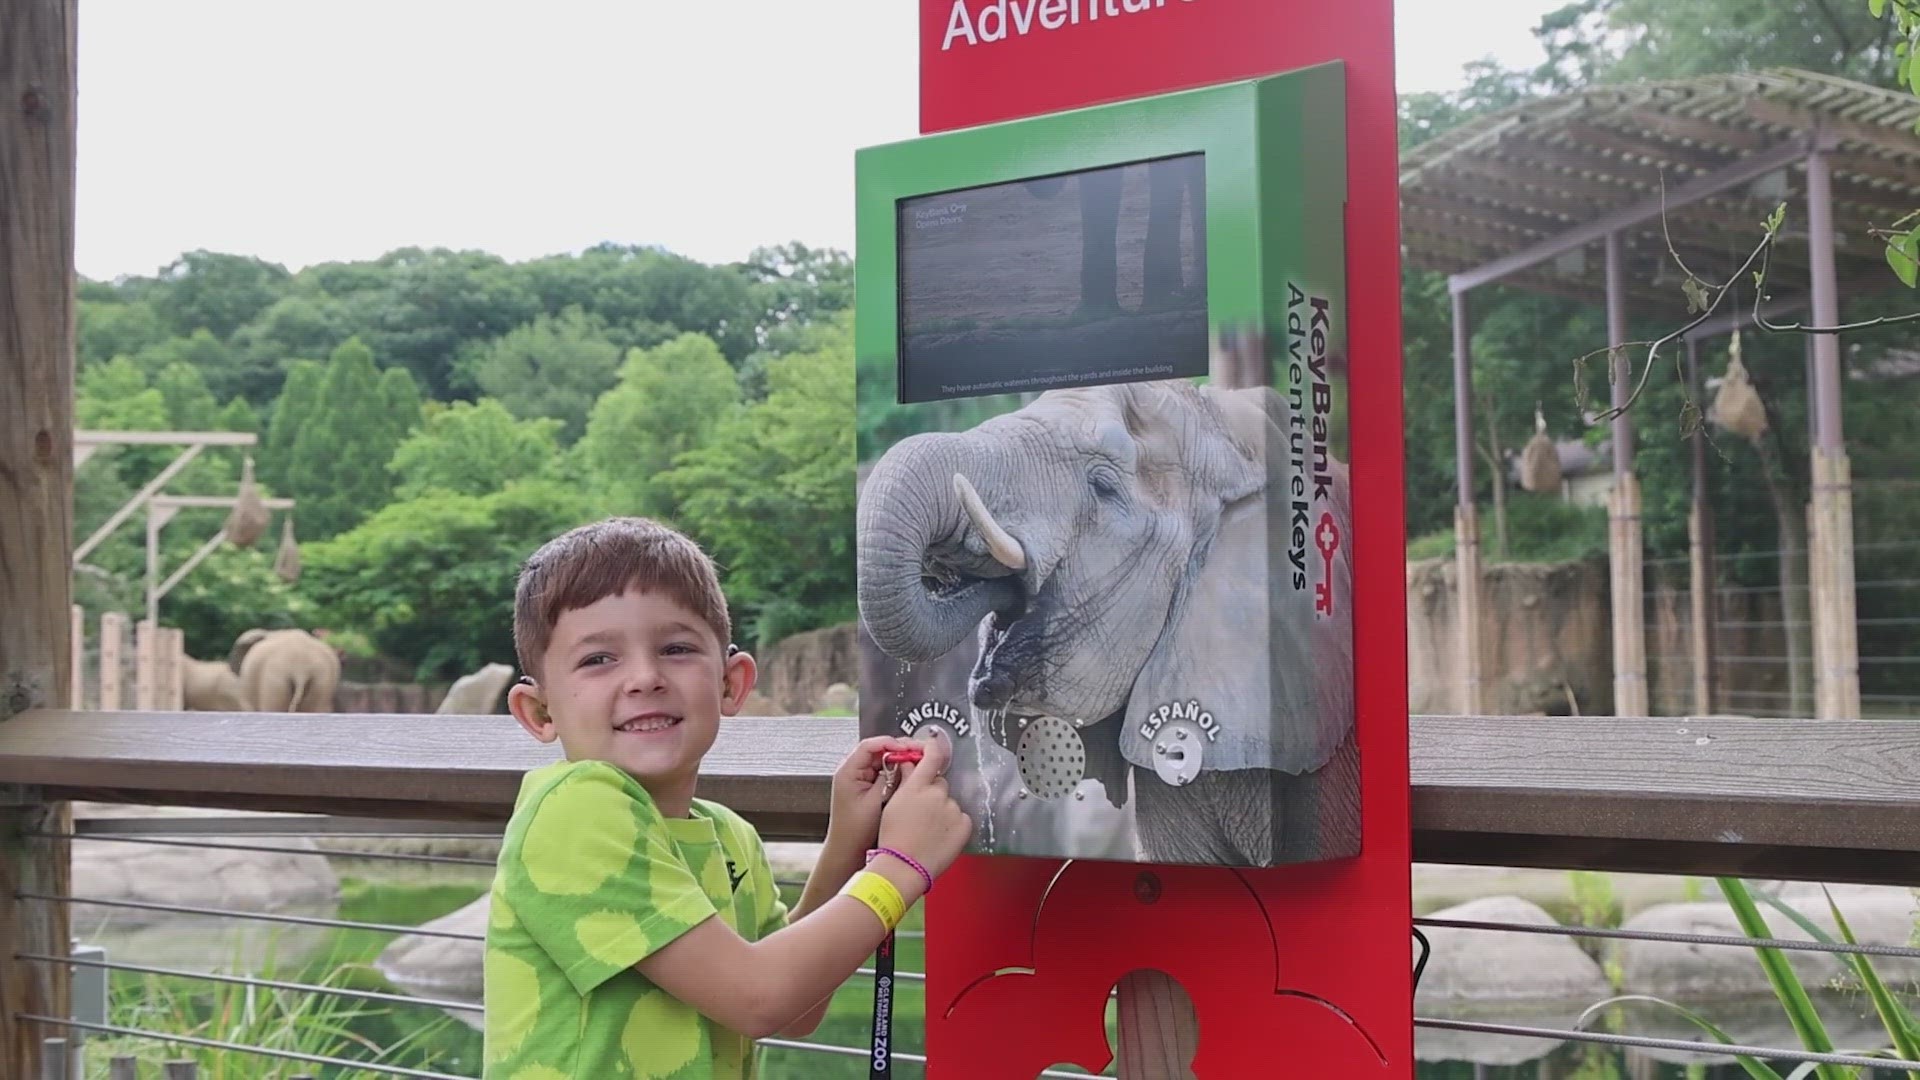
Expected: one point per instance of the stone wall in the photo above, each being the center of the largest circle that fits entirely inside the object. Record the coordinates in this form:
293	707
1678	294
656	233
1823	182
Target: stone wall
1547	633
796	672
1544	632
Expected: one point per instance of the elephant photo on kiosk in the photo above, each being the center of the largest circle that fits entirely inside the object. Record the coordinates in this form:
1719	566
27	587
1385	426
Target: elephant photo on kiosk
1154	583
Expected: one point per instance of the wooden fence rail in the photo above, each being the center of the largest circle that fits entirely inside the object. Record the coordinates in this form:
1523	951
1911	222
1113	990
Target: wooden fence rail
1816	800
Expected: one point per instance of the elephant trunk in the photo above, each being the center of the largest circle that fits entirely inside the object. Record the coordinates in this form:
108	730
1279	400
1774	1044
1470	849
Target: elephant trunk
920	590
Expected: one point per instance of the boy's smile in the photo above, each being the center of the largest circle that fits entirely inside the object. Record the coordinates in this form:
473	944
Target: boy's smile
638	680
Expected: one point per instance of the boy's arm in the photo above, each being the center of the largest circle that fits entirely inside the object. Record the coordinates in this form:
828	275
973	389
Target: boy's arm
836	864
760	988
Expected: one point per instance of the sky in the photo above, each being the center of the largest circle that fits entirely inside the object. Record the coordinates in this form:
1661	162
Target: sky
306	131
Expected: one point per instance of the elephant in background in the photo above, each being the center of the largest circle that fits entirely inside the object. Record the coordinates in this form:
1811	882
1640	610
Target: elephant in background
286	670
211	686
1114	550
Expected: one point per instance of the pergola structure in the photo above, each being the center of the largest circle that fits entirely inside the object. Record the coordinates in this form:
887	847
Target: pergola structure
1524	195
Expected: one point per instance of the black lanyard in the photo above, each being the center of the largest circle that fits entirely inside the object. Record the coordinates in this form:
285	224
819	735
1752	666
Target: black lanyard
881	1062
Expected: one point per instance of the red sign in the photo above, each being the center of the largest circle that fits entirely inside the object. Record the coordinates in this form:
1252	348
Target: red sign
1340	931
988	60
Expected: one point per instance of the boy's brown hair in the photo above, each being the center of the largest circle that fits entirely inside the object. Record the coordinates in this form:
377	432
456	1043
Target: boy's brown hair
592	562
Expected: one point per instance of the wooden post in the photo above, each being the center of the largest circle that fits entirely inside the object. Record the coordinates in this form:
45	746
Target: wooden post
144	672
37	153
1836	668
123	1067
113	651
77	667
1629	612
183	1069
1466	521
173	660
56	1060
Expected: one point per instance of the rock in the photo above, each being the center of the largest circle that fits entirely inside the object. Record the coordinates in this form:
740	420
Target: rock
1470	967
1540	980
840	699
289	883
759	704
798	669
1689	972
441	967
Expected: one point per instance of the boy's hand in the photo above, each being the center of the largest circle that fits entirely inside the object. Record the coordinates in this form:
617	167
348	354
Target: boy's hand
858	793
922	819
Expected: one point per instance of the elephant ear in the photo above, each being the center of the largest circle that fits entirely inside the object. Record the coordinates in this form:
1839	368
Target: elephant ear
242	644
1260	678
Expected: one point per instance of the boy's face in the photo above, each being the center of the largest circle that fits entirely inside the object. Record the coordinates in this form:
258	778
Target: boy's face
637	680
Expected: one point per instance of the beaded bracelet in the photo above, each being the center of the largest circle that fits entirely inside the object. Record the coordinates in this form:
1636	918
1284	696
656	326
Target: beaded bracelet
905	858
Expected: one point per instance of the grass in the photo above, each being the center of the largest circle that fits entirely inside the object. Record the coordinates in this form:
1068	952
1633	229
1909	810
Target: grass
419	1037
1902	1029
324	1025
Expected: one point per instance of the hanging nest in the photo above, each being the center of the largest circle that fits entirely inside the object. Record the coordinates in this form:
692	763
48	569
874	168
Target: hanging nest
1539	460
286	562
1736	404
249	518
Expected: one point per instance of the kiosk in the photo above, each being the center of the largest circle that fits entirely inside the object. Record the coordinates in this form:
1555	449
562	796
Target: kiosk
1117	580
1106	546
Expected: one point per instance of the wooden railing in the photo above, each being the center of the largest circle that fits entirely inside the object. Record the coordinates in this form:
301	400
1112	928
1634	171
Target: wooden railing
1815	800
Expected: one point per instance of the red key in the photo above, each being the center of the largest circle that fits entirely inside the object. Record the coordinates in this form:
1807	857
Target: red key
895	757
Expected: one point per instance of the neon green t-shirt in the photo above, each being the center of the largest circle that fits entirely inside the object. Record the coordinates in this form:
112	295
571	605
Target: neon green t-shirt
591	879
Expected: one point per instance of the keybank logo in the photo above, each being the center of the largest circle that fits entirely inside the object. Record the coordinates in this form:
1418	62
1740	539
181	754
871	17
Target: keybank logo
996	20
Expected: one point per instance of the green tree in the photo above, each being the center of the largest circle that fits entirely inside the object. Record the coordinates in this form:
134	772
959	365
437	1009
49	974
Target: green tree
298	400
295	326
552	367
190	405
473	448
215	292
668	401
436	307
400	396
110	328
338	468
238	415
430	580
1624	40
771	495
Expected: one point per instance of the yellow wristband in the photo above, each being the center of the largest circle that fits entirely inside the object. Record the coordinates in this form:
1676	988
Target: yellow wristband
879	894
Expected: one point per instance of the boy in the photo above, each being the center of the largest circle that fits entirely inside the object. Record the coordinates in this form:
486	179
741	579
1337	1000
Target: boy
635	930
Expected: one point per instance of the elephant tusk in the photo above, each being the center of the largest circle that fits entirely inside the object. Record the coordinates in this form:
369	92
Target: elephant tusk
1000	544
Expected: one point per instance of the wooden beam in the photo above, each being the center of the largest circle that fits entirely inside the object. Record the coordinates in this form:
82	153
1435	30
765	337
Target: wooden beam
1740	172
1700	795
151	488
38	132
164	438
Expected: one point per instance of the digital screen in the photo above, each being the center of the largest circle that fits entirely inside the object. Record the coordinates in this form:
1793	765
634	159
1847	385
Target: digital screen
1075	279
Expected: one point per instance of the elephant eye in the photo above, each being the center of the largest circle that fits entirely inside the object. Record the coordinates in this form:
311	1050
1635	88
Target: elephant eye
1105	484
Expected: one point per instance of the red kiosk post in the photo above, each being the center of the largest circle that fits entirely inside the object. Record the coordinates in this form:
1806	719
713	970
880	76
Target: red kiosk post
1300	970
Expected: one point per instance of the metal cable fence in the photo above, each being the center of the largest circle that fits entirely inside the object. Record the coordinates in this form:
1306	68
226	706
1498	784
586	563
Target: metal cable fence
72	1039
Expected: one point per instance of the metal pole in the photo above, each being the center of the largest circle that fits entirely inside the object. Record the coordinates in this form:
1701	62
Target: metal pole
1462	400
1826	302
1620	369
1700	541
